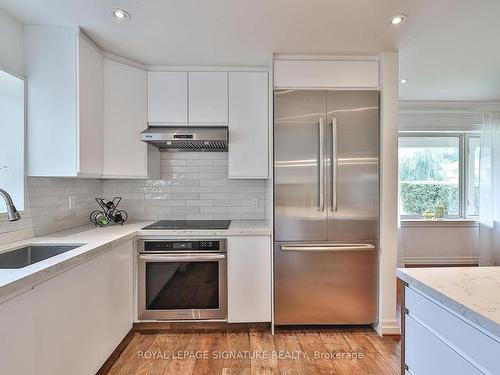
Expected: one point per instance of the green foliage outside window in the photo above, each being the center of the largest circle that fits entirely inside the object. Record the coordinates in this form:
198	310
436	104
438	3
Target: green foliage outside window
418	197
428	176
423	166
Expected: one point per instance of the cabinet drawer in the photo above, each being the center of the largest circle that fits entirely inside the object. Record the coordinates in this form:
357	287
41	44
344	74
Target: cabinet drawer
425	354
474	345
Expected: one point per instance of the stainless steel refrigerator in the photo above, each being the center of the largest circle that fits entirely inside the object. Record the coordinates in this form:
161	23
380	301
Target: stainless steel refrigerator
326	176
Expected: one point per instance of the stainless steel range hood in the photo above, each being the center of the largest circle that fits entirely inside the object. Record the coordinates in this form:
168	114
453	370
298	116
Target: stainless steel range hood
190	138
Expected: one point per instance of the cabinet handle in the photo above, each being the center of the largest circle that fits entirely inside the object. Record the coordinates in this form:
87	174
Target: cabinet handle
321	166
339	247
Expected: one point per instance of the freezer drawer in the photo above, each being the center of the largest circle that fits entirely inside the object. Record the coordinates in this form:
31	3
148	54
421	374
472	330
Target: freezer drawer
325	283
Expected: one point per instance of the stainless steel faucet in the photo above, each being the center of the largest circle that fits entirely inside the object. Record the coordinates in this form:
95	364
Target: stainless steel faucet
11	209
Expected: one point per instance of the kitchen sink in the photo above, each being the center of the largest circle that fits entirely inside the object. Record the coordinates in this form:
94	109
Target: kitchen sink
27	255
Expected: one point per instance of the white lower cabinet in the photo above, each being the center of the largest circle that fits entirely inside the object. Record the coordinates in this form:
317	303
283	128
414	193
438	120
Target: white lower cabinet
437	341
427	354
17	346
71	322
121	296
78	318
249	279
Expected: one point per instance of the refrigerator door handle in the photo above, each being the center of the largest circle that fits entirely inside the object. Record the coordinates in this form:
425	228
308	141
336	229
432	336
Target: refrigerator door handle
336	247
321	165
334	166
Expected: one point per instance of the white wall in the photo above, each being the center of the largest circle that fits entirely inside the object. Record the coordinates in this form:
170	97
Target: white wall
437	244
389	87
11	44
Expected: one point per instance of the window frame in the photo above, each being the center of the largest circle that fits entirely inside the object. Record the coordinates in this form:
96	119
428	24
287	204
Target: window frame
3	214
469	172
463	168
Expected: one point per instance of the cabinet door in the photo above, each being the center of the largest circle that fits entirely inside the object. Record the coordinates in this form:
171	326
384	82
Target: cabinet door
91	109
208	98
125	115
17	346
167	98
326	74
51	102
121	296
249	279
248	125
427	354
465	338
72	320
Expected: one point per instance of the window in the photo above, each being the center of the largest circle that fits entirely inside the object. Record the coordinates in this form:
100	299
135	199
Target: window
473	176
439	169
12	139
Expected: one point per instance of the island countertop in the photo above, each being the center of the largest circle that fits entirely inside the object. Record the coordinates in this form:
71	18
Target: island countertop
472	292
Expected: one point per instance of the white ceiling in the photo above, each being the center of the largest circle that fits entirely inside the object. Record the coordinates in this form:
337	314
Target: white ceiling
456	57
447	50
231	32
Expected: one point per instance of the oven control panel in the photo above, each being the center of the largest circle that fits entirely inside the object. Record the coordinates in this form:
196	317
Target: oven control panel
164	246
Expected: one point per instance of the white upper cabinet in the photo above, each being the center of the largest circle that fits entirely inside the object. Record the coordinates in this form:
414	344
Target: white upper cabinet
91	92
188	98
64	73
167	98
125	115
248	125
361	74
208	98
84	111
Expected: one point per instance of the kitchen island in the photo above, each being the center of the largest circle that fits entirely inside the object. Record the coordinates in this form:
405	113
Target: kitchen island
451	320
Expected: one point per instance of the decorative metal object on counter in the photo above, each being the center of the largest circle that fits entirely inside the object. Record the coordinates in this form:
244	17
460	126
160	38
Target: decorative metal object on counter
109	212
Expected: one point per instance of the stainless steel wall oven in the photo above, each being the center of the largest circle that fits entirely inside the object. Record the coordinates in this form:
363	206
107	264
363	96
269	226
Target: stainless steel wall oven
182	279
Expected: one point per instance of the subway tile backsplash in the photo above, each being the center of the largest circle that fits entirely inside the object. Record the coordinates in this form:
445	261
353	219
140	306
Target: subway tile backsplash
193	186
54	204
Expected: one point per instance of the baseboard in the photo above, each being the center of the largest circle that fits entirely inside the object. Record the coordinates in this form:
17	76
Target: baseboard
116	353
490	262
466	260
152	327
388	327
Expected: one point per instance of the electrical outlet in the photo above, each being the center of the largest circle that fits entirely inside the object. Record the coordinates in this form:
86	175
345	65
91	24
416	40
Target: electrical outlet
255	202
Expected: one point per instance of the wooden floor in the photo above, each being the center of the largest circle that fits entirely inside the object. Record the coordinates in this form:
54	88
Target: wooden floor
254	350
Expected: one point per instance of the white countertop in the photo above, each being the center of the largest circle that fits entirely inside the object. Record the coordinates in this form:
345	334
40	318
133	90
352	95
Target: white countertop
97	241
237	228
472	292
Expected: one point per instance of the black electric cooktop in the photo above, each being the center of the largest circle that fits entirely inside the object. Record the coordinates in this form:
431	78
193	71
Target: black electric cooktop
189	224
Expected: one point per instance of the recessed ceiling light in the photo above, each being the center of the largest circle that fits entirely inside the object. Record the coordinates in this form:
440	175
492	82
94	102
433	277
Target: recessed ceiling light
398	19
121	14
403	81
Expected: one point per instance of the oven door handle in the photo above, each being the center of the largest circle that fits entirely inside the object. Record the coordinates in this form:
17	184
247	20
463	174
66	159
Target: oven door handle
180	258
